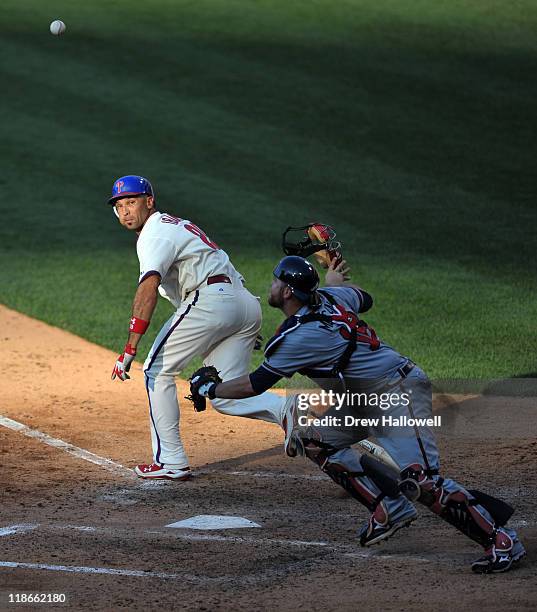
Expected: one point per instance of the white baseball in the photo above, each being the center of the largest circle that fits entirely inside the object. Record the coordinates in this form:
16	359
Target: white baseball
57	27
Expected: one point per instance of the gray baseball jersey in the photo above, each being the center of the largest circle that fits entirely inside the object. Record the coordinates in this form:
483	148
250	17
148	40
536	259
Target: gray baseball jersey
313	348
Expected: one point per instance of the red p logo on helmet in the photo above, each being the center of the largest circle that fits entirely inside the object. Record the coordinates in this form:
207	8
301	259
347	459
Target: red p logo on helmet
119	186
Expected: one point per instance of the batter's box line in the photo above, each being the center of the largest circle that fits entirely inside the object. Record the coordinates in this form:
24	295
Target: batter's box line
255	578
118	469
347	550
74	569
262	474
121	470
71	449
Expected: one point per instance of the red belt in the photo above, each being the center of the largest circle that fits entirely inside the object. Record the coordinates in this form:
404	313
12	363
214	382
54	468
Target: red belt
218	278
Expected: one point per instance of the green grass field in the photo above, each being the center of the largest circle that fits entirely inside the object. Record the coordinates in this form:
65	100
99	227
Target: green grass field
409	126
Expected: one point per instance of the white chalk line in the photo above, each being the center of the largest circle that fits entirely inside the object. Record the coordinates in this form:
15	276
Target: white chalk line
121	470
348	550
180	534
262	474
76	451
117	468
199	579
96	570
16	529
250	578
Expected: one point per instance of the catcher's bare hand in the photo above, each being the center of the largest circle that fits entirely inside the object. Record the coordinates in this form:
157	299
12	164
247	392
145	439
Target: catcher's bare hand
202	384
337	273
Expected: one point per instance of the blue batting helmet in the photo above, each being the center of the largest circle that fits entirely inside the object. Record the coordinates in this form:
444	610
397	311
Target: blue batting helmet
130	185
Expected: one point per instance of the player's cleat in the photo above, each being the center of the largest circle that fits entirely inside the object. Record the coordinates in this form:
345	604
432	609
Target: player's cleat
289	423
291	445
495	562
155	471
374	533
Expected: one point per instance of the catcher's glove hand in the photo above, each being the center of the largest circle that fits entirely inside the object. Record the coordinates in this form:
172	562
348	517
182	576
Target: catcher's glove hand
258	346
315	239
325	235
202	385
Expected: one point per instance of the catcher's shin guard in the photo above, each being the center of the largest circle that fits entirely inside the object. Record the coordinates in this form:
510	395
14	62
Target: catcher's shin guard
461	509
320	454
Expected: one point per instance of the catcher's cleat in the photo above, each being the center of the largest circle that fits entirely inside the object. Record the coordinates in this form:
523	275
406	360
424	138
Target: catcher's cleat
155	471
374	533
495	561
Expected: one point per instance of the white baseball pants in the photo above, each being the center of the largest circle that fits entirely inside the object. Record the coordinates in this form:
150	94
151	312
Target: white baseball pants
218	322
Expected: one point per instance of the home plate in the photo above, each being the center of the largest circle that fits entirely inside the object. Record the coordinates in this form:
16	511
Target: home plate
214	521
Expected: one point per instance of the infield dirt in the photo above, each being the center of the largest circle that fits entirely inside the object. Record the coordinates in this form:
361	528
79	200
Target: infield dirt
74	517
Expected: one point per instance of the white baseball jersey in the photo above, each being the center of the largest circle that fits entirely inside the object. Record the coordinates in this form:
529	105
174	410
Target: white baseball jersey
181	254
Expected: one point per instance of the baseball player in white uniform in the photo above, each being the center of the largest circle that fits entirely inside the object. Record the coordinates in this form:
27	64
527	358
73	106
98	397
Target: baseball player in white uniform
216	318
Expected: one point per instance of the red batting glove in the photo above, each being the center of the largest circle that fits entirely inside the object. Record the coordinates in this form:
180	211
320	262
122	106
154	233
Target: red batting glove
123	363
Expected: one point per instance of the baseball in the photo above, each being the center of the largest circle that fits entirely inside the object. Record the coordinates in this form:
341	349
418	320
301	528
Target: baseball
57	27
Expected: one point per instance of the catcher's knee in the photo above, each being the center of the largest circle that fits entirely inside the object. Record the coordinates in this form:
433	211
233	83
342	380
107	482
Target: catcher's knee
352	479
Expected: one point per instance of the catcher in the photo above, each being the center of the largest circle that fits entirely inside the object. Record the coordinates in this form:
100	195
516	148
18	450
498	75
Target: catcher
324	338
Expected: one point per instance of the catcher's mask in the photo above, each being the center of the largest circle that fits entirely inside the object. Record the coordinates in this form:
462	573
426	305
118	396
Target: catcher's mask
131	185
312	238
300	276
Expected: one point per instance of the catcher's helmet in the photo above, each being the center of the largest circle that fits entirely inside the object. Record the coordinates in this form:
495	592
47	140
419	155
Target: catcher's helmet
130	185
299	275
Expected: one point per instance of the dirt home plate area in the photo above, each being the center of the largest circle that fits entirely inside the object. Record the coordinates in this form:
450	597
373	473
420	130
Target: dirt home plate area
76	521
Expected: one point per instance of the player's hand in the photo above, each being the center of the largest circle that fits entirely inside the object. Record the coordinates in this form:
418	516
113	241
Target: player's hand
337	273
123	363
258	346
202	385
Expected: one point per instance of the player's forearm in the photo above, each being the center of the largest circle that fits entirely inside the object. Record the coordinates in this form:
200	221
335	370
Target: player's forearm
237	388
143	306
337	282
352	286
145	300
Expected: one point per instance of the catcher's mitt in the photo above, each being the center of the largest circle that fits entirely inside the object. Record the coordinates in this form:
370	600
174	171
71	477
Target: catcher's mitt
202	385
258	346
317	239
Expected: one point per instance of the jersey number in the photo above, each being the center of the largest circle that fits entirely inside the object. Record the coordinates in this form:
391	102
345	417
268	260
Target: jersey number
193	229
365	333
